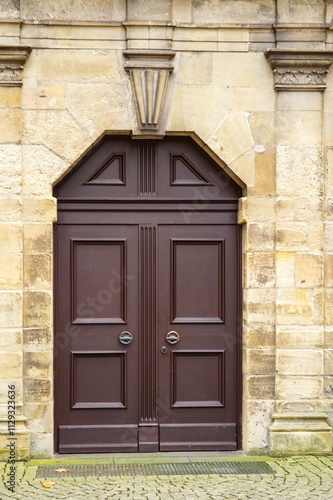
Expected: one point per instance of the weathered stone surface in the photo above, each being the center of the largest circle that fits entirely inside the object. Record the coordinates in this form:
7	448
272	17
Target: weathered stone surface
10	169
37	365
308	270
299	171
100	10
299	362
191	60
259	361
41	168
37	339
37	309
11	309
261	387
37	238
208	109
39	210
10	126
10	237
37	390
213	11
261	270
233	138
39	417
259	237
10	271
257	420
10	340
10	210
297	336
10	364
37	271
298	387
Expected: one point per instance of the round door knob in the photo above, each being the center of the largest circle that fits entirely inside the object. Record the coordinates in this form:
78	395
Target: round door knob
172	337
164	350
125	338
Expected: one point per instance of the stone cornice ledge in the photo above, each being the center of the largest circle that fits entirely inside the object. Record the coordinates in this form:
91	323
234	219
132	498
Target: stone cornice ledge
12	60
299	70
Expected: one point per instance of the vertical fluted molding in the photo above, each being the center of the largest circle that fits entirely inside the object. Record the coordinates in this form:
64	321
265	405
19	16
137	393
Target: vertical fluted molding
148	324
147	174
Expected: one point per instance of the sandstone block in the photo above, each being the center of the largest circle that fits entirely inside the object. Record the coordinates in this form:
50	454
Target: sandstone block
10	97
37	238
299	362
285	269
259	306
260	361
10	210
37	365
10	163
37	271
77	66
243	167
10	126
37	390
257	419
328	270
39	210
259	270
308	270
10	271
10	364
10	340
259	237
233	138
299	387
264	174
11	309
42	444
291	236
296	336
328	306
299	128
261	387
299	171
41	168
215	12
256	210
295	306
208	109
37	309
37	339
188	62
43	97
39	417
328	232
68	141
256	336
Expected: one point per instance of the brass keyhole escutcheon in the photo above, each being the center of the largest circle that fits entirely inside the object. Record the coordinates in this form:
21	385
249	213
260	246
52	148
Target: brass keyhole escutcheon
164	350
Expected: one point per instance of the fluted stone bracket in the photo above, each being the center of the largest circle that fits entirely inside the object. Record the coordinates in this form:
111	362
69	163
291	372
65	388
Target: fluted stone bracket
12	60
149	72
299	70
300	434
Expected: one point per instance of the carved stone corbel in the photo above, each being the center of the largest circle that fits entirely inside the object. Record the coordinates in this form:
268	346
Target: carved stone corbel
12	60
299	70
149	72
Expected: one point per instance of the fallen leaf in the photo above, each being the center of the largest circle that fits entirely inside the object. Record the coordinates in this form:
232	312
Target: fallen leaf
48	484
61	470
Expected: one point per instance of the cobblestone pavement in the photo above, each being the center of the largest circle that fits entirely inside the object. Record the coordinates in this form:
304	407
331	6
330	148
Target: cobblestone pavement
305	478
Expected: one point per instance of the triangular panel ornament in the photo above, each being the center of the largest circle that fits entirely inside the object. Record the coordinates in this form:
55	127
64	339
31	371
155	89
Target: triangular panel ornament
110	173
184	173
149	71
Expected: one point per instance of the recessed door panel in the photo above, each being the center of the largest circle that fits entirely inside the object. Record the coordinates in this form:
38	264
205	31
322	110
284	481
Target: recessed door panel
197	288
99	284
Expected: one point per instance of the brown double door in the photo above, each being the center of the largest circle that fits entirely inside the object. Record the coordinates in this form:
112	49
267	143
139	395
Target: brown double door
147	352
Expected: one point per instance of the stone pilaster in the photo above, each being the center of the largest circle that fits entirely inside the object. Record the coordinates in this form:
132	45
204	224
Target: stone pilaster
299	424
12	59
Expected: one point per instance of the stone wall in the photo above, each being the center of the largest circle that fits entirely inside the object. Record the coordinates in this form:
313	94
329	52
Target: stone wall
247	79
